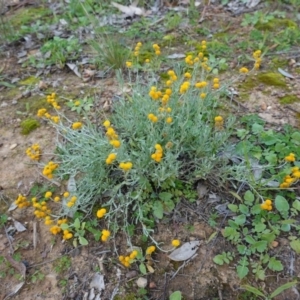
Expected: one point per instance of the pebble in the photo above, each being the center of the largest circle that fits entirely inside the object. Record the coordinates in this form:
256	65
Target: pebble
13	146
142	282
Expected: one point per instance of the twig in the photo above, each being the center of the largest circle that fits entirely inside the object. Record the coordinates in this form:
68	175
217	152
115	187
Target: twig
203	12
34	235
10	244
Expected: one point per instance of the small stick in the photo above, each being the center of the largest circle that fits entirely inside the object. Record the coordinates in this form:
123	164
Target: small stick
34	238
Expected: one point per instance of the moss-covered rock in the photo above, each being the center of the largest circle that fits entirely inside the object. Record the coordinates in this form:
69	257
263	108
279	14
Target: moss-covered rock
29	125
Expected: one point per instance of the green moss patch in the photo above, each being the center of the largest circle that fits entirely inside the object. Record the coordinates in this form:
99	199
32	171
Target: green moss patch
273	79
29	125
276	24
288	99
29	81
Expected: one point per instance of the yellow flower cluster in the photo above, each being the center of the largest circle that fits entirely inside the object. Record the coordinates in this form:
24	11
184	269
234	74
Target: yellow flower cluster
156	49
257	58
105	235
128	64
48	220
52	100
48	195
55	229
72	201
266	205
125	166
201	84
175	243
55	119
22	201
76	125
152	118
290	158
172	77
101	212
219	122
34	152
111	134
154	93
184	87
290	179
203	45
127	260
137	48
216	83
67	234
49	168
41	208
187	75
157	156
190	60
150	250
244	70
110	158
41	112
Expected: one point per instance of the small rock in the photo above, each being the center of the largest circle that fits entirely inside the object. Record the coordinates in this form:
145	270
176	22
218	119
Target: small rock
152	285
131	274
43	85
141	282
13	146
275	244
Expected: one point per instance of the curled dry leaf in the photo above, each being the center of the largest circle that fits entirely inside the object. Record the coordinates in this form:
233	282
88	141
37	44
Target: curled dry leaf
186	251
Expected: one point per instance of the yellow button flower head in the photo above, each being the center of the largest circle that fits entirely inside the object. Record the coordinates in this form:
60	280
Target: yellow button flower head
290	157
105	235
175	243
101	212
106	123
66	194
150	250
56	199
76	125
48	195
244	70
218	119
169	120
128	64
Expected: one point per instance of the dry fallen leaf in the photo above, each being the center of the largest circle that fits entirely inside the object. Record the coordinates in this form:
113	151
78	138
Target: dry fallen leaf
185	252
130	10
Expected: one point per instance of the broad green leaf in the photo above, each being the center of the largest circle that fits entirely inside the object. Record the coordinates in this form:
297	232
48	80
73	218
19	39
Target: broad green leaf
77	223
168	205
260	246
143	269
283	288
257	128
240	220
244	209
64	226
249	197
233	207
260	274
83	241
275	265
289	221
219	259
296	138
295	245
158	209
233	224
242	249
281	204
242	271
164	196
286	227
269	237
249	239
175	296
296	204
256	209
7	84
260	227
252	290
271	158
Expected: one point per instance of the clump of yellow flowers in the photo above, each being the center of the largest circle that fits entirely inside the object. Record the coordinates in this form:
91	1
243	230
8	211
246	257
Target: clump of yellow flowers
129	259
22	201
101	212
219	122
266	205
288	180
34	152
105	235
175	243
125	166
257	58
76	125
49	169
157	156
156	49
150	250
52	100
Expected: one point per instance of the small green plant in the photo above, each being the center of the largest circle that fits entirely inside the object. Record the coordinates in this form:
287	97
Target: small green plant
28	125
175	296
62	265
3	220
36	276
79	231
224	257
58	51
277	292
81	105
173	20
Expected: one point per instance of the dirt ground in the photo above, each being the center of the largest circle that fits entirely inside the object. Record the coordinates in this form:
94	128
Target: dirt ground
41	253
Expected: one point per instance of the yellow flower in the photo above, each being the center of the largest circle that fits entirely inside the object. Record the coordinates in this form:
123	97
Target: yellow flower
169	120
244	70
150	250
187	75
175	243
218	119
106	123
168	92
41	112
125	166
66	194
70	204
48	195
290	157
152	118
101	212
147	60
157	52
77	103
73	199
115	143
56	199
105	235
139	44
110	159
133	254
76	125
168	82
202	95
128	64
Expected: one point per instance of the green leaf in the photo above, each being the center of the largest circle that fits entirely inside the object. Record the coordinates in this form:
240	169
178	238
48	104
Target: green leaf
169	205
240	220
260	246
275	265
253	290
175	296
6	84
236	196
295	245
249	197
296	138
257	128
143	269
83	241
283	288
285	227
242	249
281	204
233	207
256	209
242	271
260	274
271	158
219	259
164	196
232	224
77	223
260	227
296	204
244	209
249	239
64	226
158	209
